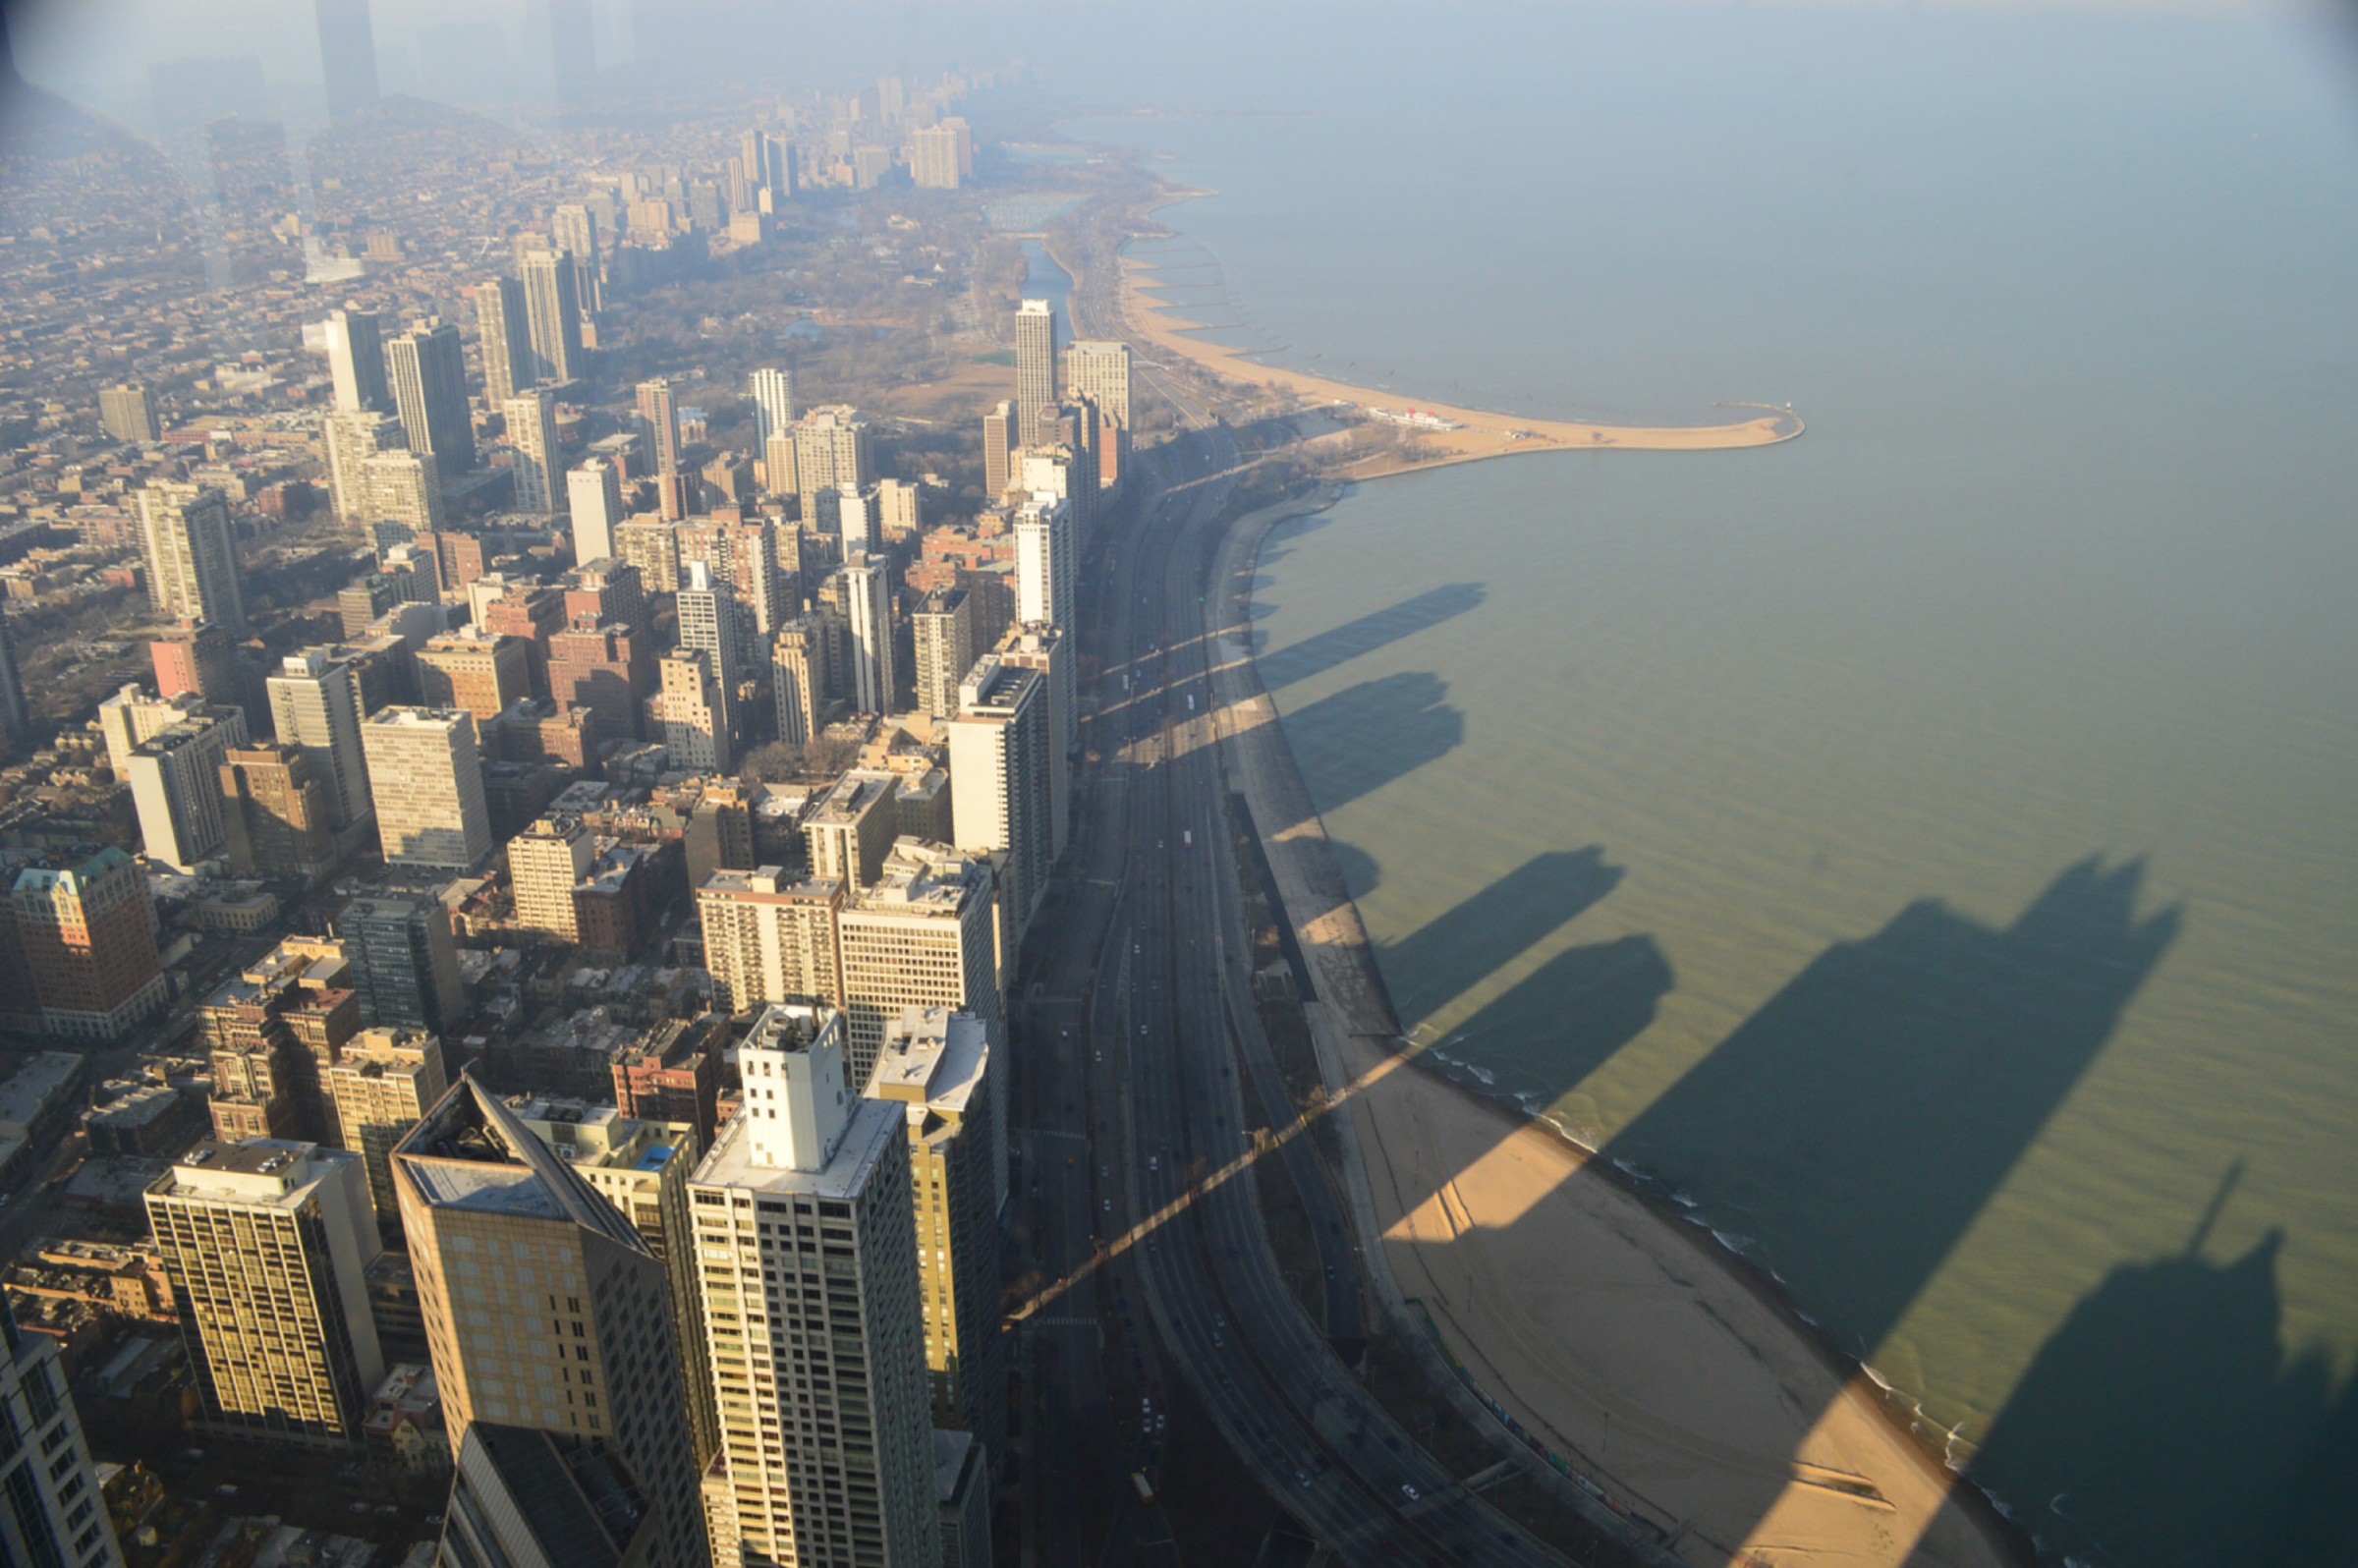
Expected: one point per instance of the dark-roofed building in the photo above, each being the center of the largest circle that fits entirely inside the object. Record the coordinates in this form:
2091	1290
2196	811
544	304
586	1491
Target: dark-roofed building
529	1498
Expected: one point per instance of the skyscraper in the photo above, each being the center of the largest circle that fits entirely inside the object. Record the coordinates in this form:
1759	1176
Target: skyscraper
773	404
942	629
532	433
546	861
129	413
708	616
690	713
404	962
573	232
55	1513
581	1344
936	1065
316	705
868	594
83	931
941	156
850	829
826	1432
347	56
381	1084
1035	365
999	444
1000	794
553	305
661	421
176	786
1045	548
504	322
428	370
593	493
404	488
356	351
798	669
427	785
768	938
267	1245
192	555
831	451
1098	372
925	936
352	439
1050	650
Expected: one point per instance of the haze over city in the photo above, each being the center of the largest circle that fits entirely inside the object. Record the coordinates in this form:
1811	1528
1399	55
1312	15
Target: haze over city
1501	784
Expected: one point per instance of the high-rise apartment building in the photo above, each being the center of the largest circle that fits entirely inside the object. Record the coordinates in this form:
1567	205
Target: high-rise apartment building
574	1334
267	1243
545	863
128	414
936	1065
805	1235
404	961
641	1167
1035	365
482	673
403	487
709	619
522	1495
175	782
867	598
533	435
1099	371
999	444
1000	787
552	308
768	161
768	938
798	671
78	946
925	936
832	450
852	828
192	555
504	322
942	635
352	437
132	714
316	705
427	782
690	714
381	1085
606	669
275	814
573	231
55	1513
1045	548
1049	649
594	493
347	56
654	550
192	656
941	157
773	404
356	359
427	368
659	417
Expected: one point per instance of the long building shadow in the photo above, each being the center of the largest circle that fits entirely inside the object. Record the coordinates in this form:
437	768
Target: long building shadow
1365	736
1314	655
1560	1022
2165	1426
1425	970
1860	1119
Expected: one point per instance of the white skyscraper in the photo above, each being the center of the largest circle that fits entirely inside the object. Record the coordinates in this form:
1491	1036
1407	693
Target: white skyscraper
773	404
352	439
553	313
56	1514
316	705
355	363
176	787
708	614
428	784
806	1222
532	433
1035	365
192	555
595	491
1043	564
1001	800
867	592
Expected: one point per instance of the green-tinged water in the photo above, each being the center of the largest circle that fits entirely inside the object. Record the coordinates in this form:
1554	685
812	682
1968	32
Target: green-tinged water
1929	848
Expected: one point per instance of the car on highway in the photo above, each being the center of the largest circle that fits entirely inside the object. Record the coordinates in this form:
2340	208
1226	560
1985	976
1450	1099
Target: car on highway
1408	1489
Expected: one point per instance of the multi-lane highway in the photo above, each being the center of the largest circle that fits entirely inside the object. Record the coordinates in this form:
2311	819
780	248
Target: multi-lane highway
1144	1040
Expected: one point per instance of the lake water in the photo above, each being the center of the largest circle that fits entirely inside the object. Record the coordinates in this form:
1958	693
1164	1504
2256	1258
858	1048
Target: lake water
1930	848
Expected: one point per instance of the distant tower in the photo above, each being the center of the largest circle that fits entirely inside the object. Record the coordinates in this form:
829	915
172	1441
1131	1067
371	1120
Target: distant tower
129	413
999	444
773	404
868	594
1035	365
532	433
942	633
428	370
355	358
572	229
662	422
192	555
428	782
347	56
316	705
552	302
1043	564
1000	799
15	717
505	324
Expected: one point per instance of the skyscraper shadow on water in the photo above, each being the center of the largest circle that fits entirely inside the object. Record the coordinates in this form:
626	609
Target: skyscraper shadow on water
2165	1426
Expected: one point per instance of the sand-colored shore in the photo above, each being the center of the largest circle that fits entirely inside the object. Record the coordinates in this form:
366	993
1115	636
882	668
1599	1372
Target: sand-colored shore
1619	1336
1479	433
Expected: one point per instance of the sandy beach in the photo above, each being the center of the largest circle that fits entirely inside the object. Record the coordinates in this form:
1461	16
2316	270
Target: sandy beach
1476	433
1622	1338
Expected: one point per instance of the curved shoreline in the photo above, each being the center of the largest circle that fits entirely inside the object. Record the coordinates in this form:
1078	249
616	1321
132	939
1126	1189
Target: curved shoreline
1478	433
1789	1444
